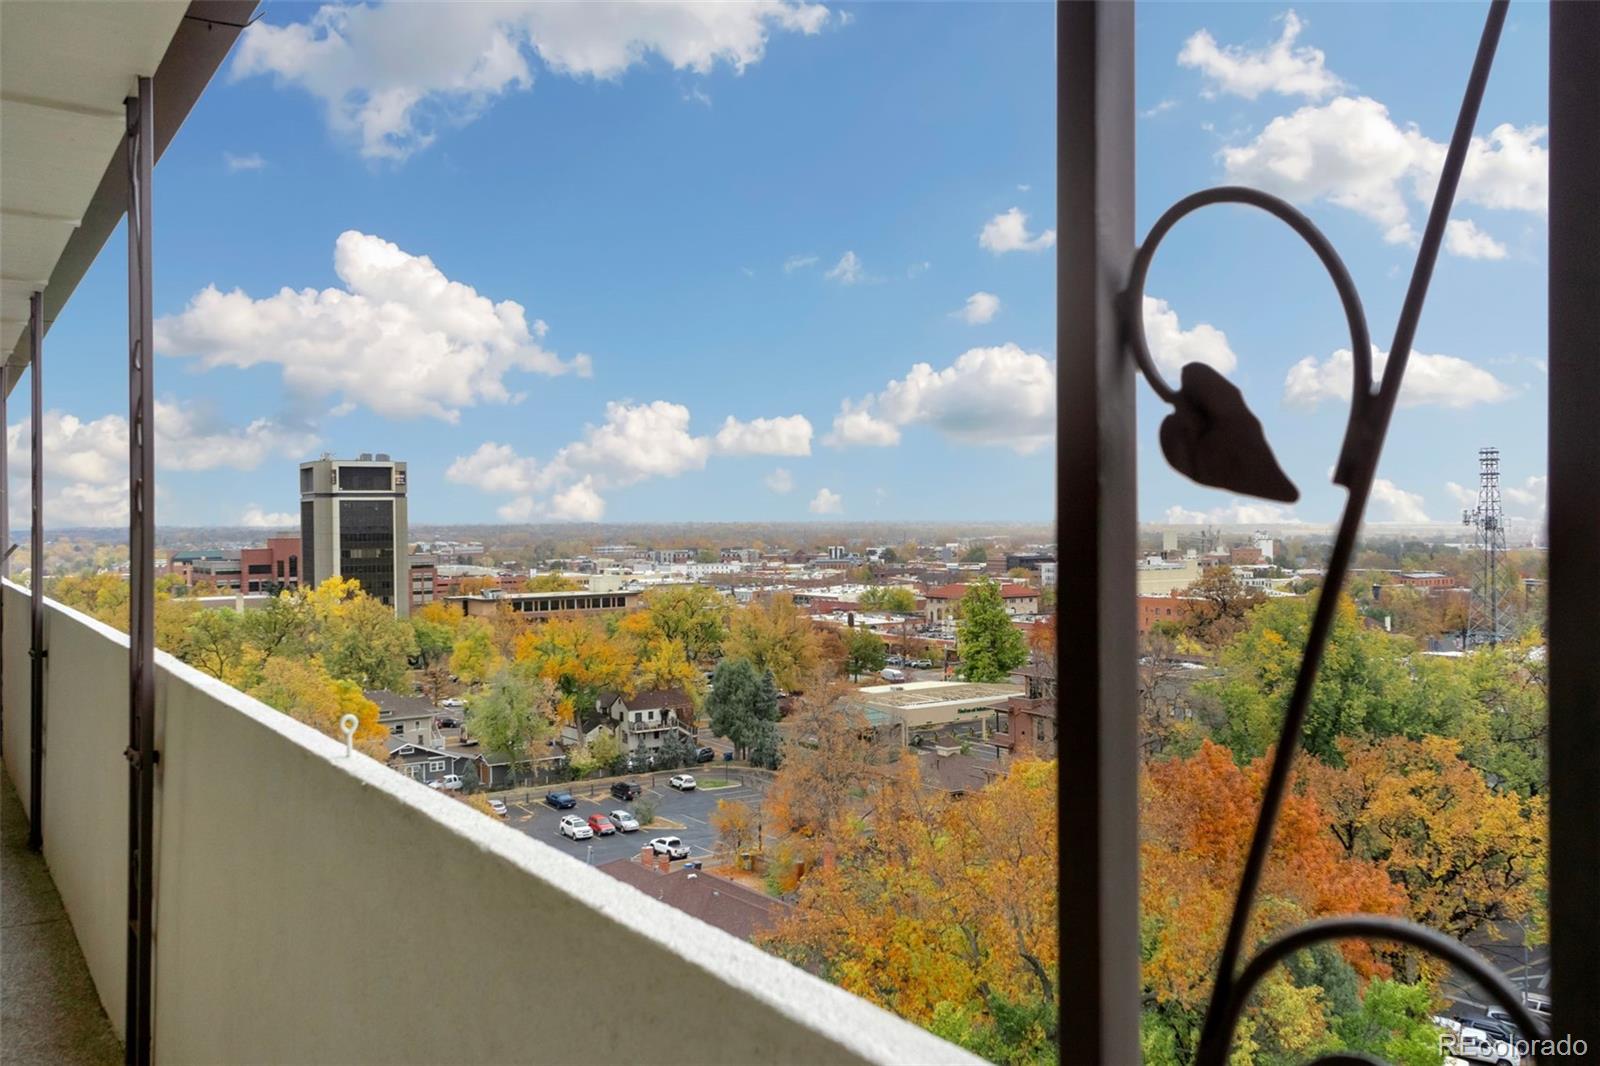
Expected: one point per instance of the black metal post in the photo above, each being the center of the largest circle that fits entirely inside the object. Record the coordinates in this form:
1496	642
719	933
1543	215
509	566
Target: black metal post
1096	525
141	751
1574	517
36	571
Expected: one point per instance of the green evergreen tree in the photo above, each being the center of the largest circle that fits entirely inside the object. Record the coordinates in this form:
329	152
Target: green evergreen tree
989	644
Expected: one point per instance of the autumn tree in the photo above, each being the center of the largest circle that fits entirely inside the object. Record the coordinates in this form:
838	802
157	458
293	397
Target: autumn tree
892	598
303	689
1465	856
551	583
828	760
364	642
693	615
663	664
1198	816
1218	605
945	912
578	660
988	641
1369	683
213	641
473	656
735	825
865	652
741	700
777	638
515	715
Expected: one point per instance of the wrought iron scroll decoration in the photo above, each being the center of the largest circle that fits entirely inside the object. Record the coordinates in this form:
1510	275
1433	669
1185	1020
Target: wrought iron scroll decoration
1212	437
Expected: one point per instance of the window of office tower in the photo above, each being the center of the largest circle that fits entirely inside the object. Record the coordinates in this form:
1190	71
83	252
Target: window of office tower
366	545
366	478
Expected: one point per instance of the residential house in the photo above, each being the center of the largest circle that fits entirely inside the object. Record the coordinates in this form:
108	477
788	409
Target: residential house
644	720
409	718
428	764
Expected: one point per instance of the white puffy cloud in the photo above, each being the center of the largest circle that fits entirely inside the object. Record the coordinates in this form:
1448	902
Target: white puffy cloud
826	501
798	262
855	424
494	468
981	307
780	481
391	76
1461	494
578	503
1171	346
1350	153
1008	232
847	271
988	396
255	518
400	338
636	442
1438	380
1398	504
1237	512
236	163
86	463
1463	237
790	435
1279	68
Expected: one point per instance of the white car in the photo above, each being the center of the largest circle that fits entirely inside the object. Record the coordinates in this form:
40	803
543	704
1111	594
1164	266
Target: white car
454	703
682	782
672	847
576	828
498	807
625	822
449	782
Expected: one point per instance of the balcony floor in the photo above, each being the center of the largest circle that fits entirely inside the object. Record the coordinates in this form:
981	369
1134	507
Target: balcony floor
49	1012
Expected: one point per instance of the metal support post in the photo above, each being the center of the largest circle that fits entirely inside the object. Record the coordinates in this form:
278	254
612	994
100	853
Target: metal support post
141	753
36	650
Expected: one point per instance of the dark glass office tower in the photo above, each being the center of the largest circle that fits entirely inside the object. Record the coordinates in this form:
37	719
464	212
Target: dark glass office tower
353	525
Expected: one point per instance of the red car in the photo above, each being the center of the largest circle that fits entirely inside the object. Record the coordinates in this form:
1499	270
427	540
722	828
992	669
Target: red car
601	825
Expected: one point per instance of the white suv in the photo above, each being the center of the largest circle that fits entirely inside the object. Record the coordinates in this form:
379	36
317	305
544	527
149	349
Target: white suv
576	828
683	782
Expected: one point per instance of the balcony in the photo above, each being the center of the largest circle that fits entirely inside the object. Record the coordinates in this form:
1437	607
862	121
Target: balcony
314	906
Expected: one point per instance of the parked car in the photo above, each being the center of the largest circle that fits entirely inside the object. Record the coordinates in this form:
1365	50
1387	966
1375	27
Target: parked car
561	801
682	782
447	722
704	755
894	660
671	847
1480	1045
498	807
889	673
625	822
455	703
627	791
576	828
449	782
601	825
923	664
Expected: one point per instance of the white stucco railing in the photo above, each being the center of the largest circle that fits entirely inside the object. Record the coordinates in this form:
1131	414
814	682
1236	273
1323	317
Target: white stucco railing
313	907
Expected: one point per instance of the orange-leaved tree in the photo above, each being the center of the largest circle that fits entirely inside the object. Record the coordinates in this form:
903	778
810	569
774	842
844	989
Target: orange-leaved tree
1198	815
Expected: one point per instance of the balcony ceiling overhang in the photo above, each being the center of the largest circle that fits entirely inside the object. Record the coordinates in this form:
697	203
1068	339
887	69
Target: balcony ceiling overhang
65	70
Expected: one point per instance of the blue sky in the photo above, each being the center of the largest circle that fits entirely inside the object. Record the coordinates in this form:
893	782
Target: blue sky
545	253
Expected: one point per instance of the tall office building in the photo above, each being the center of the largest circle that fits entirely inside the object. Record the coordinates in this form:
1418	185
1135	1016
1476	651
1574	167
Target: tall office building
353	525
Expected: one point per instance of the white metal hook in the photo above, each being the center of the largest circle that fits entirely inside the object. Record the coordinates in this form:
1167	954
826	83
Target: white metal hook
347	725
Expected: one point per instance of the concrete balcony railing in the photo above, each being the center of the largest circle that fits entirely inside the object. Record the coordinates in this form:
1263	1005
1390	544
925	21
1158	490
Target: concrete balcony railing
317	907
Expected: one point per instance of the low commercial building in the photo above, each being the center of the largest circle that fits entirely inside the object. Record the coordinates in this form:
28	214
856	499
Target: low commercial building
1168	608
917	705
536	606
1156	576
941	603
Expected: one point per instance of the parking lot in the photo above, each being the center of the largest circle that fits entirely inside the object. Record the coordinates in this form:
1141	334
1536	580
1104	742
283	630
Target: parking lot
692	810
